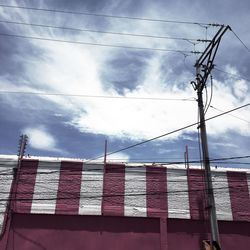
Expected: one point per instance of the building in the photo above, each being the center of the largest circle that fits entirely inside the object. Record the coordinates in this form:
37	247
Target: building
71	205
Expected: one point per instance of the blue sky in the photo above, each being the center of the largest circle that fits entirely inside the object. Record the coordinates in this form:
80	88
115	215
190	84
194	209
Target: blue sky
77	126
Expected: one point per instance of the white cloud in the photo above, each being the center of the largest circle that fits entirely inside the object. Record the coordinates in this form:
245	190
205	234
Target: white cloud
76	69
228	95
41	139
240	89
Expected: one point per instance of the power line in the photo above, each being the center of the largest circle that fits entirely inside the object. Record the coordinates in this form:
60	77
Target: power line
3	162
211	94
239	118
172	132
69	195
99	96
241	41
230	158
236	76
142	163
213	160
104	32
100	44
108	16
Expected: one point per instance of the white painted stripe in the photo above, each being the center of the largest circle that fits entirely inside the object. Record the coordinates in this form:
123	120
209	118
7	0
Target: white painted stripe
91	189
135	200
6	177
222	196
46	186
177	191
248	183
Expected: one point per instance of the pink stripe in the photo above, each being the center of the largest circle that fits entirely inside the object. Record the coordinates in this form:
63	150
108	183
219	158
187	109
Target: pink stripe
68	194
113	190
197	194
239	196
156	191
26	178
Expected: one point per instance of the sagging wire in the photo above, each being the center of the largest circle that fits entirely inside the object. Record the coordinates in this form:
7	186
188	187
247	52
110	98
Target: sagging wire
199	141
211	94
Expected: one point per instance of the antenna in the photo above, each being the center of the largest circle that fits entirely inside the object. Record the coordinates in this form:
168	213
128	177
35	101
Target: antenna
204	66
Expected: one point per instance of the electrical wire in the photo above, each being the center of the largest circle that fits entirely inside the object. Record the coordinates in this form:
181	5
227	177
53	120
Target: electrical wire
236	76
169	133
98	44
199	141
70	195
99	96
206	101
3	162
103	32
108	16
78	165
241	41
237	117
211	94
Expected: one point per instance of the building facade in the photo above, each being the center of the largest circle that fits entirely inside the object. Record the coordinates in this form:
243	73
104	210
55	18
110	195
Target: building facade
59	204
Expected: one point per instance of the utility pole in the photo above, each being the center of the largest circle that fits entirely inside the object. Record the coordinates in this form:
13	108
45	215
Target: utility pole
204	66
105	152
21	150
22	146
186	157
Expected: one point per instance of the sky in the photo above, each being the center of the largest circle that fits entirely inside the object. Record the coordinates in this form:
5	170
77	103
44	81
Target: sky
72	78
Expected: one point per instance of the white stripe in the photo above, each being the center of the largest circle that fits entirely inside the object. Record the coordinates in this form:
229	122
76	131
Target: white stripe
222	196
46	187
248	183
6	177
91	189
135	192
177	190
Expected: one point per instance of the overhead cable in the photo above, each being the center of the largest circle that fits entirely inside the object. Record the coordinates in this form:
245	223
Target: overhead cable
241	41
69	195
211	94
108	16
152	160
105	32
237	117
99	96
236	76
99	44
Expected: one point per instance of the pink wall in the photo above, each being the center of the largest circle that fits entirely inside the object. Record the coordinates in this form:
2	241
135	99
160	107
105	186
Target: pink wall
33	232
188	234
67	232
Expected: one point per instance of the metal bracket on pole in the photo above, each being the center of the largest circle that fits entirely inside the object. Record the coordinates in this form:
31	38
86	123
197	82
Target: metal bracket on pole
204	64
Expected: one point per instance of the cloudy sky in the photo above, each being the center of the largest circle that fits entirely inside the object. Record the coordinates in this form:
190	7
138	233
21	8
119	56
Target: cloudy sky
125	80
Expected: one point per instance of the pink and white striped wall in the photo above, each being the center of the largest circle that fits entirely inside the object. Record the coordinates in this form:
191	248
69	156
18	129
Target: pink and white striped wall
77	188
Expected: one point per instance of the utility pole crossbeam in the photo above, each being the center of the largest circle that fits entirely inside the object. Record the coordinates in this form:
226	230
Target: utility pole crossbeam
204	66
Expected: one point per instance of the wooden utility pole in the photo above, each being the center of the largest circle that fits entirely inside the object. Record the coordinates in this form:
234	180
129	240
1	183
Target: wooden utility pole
204	66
